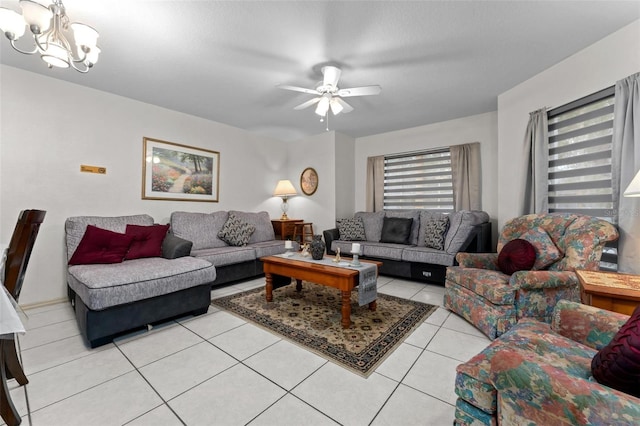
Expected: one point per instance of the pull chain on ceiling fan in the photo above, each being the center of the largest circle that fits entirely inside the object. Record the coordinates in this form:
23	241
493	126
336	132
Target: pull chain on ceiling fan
329	95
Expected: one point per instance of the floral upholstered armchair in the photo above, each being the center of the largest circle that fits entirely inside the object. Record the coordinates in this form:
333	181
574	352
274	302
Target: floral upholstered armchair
493	301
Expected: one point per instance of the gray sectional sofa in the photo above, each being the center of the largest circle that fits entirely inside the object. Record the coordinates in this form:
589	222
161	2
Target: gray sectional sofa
467	231
112	298
232	263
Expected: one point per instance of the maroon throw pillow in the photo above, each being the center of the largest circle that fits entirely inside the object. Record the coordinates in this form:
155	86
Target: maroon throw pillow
147	240
617	365
101	246
517	255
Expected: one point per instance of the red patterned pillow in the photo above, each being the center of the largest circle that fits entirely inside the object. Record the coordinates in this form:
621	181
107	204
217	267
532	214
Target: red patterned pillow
546	251
147	240
101	246
516	255
617	365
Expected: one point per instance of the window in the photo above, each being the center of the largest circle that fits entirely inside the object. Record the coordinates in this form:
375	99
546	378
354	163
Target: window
419	180
580	135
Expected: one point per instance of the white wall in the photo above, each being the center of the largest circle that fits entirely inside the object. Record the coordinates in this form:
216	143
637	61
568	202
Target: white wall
345	176
477	128
318	152
590	70
50	127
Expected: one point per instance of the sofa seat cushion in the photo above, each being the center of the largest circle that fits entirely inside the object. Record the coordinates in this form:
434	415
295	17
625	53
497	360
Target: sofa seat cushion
383	250
493	286
533	339
227	255
103	286
268	248
199	228
427	255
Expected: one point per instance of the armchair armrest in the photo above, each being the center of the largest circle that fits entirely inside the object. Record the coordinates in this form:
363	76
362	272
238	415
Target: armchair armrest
585	324
329	236
174	247
538	280
478	260
532	391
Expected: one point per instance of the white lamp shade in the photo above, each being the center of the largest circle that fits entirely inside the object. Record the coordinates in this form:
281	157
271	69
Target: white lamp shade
56	55
633	190
36	14
323	106
84	35
284	189
12	22
336	108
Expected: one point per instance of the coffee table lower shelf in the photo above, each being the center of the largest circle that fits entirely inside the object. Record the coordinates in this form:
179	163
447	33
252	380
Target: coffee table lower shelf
344	279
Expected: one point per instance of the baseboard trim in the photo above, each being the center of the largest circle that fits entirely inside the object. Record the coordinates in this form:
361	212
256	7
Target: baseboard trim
41	304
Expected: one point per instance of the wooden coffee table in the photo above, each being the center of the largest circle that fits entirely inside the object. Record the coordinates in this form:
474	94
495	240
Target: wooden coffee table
610	290
344	279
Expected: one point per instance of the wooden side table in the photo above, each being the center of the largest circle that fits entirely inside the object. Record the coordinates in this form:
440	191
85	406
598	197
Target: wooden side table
609	290
283	228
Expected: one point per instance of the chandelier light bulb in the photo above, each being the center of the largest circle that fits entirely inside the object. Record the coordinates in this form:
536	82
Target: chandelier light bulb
50	30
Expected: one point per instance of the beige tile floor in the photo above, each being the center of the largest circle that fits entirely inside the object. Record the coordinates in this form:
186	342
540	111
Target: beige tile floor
218	369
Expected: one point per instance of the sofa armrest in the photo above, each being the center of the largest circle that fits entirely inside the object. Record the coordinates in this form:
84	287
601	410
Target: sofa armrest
585	324
533	391
329	236
478	260
174	247
539	280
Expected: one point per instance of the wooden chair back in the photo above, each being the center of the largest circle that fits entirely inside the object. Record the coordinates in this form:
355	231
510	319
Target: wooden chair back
19	250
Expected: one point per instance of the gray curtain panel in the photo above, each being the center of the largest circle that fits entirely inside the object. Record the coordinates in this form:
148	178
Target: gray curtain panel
536	179
625	162
375	184
467	180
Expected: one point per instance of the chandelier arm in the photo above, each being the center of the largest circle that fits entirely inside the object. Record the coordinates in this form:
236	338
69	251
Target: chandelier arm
80	70
25	52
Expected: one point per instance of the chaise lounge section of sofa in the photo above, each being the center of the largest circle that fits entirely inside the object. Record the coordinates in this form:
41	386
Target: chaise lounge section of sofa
468	230
113	298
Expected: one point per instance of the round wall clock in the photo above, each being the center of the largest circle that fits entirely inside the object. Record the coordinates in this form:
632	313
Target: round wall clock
309	181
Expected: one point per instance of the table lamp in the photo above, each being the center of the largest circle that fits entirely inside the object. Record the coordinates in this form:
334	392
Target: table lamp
633	190
284	189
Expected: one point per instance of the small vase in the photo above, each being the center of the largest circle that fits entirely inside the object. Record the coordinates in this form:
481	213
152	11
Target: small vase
317	247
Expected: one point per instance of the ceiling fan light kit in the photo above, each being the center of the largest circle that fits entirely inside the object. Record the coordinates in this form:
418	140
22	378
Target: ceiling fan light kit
48	21
329	95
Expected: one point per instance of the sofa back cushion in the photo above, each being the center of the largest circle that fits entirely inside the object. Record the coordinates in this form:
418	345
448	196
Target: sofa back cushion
372	224
408	214
261	221
199	228
76	226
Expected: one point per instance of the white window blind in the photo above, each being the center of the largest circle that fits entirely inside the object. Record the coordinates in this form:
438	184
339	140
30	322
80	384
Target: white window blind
419	180
580	135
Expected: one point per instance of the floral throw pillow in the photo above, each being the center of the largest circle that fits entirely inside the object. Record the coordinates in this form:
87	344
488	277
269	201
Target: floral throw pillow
435	230
546	251
351	229
235	231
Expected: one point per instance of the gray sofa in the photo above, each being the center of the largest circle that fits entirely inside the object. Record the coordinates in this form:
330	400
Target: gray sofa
232	263
109	299
467	231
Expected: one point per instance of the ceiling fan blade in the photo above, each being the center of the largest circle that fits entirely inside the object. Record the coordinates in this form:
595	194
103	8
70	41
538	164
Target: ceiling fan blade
307	104
359	91
331	76
298	89
345	106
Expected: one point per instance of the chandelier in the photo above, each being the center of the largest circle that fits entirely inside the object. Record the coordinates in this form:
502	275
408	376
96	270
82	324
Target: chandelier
48	23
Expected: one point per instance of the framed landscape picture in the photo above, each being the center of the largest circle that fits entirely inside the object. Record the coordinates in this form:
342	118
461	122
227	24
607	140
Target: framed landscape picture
172	171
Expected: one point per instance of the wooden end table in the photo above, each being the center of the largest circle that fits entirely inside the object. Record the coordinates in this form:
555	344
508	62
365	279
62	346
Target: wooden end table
283	228
610	290
344	279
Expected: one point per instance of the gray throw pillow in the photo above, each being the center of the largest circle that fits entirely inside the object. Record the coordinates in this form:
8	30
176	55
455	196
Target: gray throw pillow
435	231
396	230
351	229
235	231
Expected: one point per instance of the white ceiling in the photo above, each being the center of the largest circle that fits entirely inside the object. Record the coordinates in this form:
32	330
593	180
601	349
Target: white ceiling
221	60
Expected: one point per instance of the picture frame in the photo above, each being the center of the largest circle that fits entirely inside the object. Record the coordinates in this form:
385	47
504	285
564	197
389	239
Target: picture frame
176	172
309	181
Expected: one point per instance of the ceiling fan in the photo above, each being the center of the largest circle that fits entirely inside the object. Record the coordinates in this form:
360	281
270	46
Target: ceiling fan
329	96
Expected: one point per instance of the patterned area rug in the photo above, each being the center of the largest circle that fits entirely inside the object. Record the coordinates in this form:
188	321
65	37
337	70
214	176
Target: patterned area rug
311	318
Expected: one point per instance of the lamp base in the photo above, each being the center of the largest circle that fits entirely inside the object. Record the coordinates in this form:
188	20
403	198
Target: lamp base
284	217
